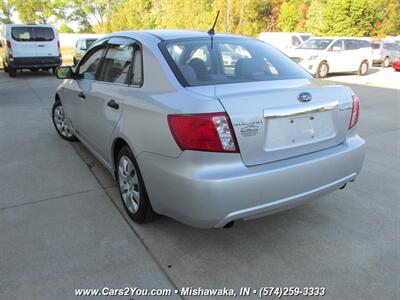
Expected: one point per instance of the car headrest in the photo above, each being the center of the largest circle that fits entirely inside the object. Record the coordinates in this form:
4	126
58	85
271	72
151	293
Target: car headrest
200	68
188	72
250	67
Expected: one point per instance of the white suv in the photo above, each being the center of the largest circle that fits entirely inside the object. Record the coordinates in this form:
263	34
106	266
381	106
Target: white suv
324	55
31	47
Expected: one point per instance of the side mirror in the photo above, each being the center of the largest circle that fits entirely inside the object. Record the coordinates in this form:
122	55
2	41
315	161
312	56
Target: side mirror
336	48
64	73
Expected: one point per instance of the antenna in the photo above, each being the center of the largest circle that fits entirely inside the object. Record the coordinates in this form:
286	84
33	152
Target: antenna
212	31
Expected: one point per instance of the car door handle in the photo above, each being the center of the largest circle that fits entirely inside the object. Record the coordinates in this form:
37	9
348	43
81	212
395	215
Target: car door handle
82	95
113	104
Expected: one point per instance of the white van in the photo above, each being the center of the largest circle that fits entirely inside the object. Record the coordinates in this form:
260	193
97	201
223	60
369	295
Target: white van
31	47
284	41
324	55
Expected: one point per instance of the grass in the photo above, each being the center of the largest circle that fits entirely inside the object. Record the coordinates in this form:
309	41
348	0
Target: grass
67	55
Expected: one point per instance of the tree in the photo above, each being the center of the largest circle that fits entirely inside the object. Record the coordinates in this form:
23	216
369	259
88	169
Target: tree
64	28
35	11
348	17
387	18
289	15
6	11
315	19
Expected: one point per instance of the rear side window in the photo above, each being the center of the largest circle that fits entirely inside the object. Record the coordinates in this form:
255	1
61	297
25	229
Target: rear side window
32	34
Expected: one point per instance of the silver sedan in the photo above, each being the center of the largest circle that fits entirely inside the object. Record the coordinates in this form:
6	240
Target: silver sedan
205	142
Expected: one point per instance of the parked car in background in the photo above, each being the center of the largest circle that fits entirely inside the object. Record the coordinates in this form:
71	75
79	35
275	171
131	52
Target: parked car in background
82	45
324	55
188	137
284	41
385	53
30	47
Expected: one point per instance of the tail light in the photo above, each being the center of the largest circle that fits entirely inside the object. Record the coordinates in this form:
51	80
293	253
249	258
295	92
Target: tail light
355	111
9	49
203	132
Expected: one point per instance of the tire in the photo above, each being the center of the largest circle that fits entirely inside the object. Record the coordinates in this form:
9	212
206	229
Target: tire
363	68
12	72
75	61
322	70
34	70
62	128
54	70
385	63
131	187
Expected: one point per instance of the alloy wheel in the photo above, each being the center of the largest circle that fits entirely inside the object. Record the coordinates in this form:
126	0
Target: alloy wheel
129	184
59	120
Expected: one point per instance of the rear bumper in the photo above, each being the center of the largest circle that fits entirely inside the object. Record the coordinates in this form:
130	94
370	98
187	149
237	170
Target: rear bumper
35	62
211	189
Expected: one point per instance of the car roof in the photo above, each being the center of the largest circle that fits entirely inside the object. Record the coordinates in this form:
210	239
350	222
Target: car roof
339	37
172	34
31	25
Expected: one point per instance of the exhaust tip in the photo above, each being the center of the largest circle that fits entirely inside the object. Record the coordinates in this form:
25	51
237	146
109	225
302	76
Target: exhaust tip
229	225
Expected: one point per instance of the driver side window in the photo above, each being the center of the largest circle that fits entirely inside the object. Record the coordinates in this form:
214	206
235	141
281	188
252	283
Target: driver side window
88	68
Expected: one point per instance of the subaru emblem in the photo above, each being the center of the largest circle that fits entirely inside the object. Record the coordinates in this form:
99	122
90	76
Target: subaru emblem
304	97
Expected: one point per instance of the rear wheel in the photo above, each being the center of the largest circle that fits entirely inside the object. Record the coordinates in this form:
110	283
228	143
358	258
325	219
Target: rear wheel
386	63
363	69
12	72
60	122
131	187
322	70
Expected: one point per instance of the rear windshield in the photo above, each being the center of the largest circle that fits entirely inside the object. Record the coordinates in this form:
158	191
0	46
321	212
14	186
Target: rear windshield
317	44
376	45
202	62
32	34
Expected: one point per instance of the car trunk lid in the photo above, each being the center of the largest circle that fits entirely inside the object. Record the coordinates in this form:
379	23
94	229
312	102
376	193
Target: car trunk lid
270	123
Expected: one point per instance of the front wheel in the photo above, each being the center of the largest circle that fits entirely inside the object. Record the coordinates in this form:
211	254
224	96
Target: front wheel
363	69
322	70
60	122
131	187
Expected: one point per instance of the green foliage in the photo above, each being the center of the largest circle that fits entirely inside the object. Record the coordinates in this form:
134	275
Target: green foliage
250	17
348	17
6	11
289	15
315	19
64	28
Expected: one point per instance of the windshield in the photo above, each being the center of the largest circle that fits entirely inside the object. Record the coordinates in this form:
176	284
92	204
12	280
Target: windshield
197	62
317	44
